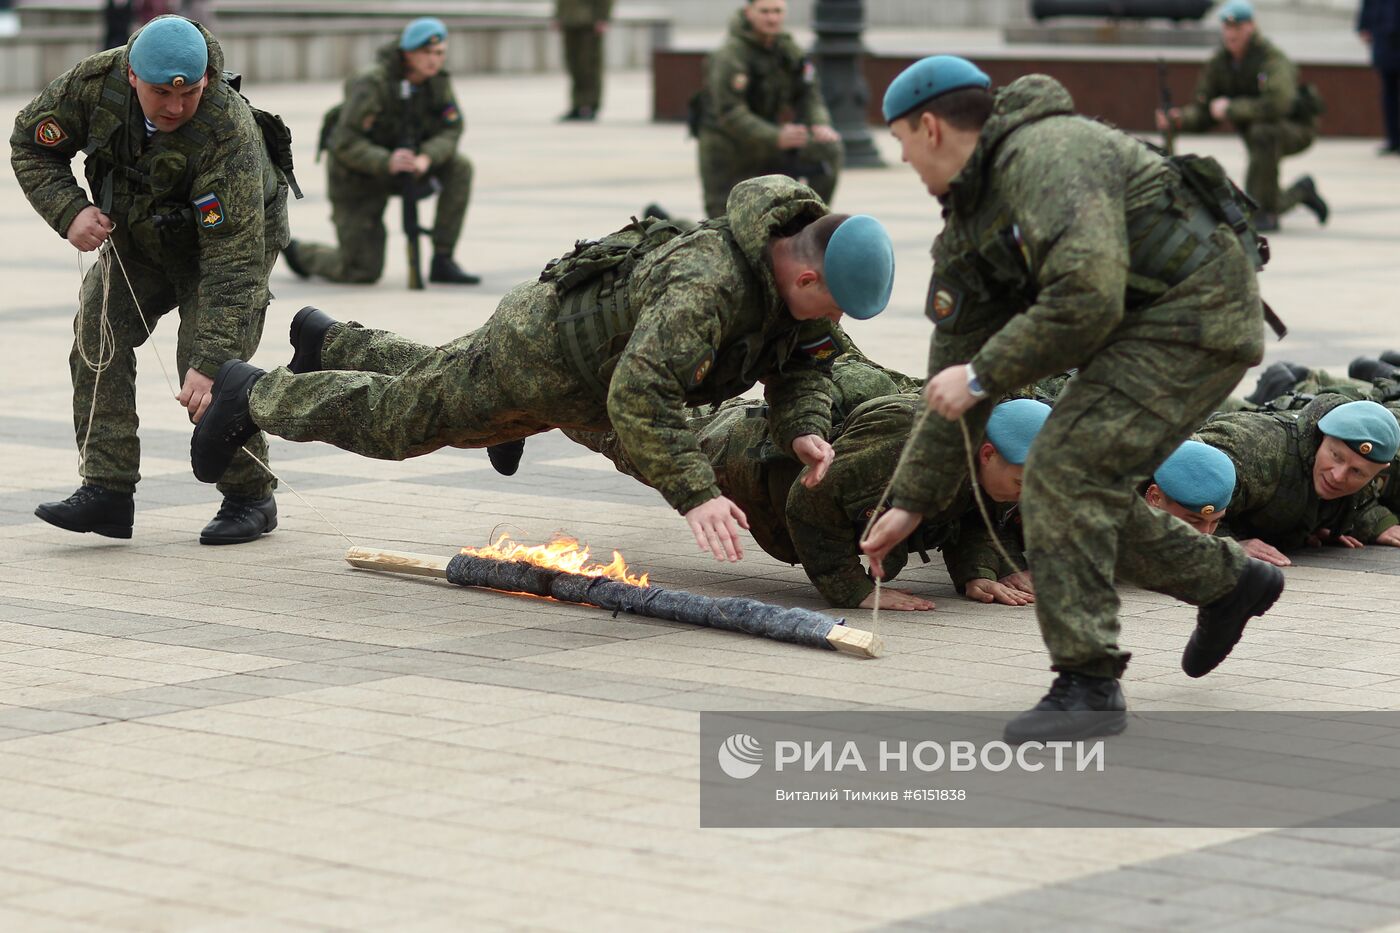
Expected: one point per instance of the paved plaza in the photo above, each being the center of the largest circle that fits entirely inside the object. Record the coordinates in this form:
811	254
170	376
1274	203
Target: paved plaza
261	738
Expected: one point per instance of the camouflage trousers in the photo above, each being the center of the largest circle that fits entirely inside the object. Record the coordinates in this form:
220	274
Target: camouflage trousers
724	163
384	396
583	57
104	404
357	209
1267	144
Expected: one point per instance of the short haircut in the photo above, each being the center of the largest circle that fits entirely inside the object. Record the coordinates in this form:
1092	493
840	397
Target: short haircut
809	244
966	108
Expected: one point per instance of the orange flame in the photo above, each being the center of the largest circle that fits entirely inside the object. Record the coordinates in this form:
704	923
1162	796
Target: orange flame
561	553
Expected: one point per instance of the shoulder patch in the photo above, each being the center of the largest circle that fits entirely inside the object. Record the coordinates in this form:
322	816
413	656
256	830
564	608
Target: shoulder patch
210	210
450	114
739	82
943	301
700	368
821	349
367	123
49	133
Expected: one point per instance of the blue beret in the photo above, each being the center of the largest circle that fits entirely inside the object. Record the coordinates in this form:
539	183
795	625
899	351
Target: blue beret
169	50
1197	476
420	32
1237	11
1014	425
929	78
859	266
1365	427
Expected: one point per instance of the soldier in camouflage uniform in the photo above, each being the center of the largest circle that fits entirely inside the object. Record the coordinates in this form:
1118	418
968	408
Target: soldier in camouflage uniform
377	139
1253	86
622	333
1069	244
761	110
189	198
819	524
583	24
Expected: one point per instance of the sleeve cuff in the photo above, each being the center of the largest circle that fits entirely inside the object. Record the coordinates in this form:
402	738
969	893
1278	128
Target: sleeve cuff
683	500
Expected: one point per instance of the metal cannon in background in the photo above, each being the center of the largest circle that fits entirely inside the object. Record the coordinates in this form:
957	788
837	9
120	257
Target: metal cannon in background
1122	9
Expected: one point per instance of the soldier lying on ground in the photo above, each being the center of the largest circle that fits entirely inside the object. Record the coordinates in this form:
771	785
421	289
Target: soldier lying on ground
622	333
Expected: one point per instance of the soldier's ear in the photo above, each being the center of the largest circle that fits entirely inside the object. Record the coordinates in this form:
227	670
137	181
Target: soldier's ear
1153	495
130	76
807	278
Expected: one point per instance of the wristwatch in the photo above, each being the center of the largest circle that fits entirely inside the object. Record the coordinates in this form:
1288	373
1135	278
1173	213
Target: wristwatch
974	385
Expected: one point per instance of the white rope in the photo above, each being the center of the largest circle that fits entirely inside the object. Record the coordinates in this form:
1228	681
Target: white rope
107	352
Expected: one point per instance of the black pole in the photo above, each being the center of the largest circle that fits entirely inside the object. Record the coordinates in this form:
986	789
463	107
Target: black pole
840	55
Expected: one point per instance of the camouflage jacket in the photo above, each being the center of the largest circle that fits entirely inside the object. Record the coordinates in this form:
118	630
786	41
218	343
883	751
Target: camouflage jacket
220	202
1275	499
582	12
752	89
706	307
1037	263
1262	87
374	120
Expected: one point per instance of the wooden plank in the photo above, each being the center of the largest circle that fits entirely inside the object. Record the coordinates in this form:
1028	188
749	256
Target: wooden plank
855	641
418	565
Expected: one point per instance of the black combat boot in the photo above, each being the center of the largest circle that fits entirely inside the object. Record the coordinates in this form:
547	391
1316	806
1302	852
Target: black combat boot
1220	624
92	508
505	458
308	334
445	269
293	261
1273	382
1369	370
656	210
571	114
1306	189
226	424
1078	706
240	520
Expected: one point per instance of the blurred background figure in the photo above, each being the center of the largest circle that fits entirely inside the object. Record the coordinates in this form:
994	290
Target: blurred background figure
122	17
583	24
1379	26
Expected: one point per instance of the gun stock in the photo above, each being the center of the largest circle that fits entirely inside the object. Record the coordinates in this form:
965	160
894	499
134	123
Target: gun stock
408	192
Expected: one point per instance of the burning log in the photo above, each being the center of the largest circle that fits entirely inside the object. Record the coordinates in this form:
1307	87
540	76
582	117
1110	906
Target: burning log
560	570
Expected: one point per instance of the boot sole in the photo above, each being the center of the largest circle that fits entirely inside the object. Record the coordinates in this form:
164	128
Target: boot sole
205	539
1104	723
106	531
1263	604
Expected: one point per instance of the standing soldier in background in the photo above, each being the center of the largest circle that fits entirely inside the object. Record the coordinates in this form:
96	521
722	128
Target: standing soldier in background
1252	85
190	199
368	160
761	110
1379	27
583	24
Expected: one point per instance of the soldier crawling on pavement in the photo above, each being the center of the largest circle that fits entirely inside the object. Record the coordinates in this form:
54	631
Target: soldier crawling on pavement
190	185
619	334
368	138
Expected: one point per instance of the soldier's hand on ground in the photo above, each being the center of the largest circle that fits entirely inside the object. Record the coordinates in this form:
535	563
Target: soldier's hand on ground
817	454
792	136
1265	552
89	229
947	394
1390	537
1020	580
196	394
825	134
1325	537
1220	108
403	160
899	600
991	591
886	534
713	524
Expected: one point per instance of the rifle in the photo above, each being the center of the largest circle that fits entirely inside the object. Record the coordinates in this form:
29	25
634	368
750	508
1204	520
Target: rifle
408	191
1164	97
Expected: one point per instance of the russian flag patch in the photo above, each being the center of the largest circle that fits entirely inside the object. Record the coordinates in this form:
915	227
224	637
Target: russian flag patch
210	210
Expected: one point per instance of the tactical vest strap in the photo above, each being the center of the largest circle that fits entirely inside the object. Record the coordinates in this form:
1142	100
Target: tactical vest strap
581	311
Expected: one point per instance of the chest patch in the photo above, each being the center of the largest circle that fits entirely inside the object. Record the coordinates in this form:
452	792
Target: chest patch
210	210
49	133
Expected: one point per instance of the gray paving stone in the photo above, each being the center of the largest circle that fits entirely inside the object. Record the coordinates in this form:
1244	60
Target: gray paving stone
45	720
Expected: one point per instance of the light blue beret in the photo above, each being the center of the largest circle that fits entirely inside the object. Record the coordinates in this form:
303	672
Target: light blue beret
1366	427
420	32
929	78
1237	11
1014	425
169	50
859	266
1197	476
